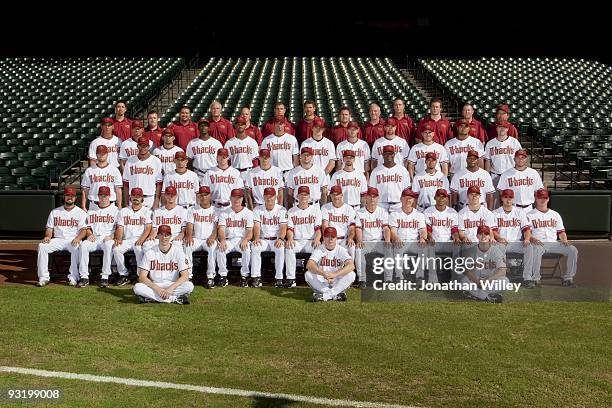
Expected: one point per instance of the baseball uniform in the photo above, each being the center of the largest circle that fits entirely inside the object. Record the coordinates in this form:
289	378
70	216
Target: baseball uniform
113	145
258	179
390	182
408	226
426	185
324	151
166	157
361	149
203	154
477	131
372	226
129	148
342	218
221	183
501	155
494	258
96	177
465	179
133	224
511	226
457	151
304	223
314	177
353	184
401	149
282	149
204	221
145	174
270	222
330	261
524	184
175	218
469	221
102	223
418	152
441	225
186	184
236	226
242	152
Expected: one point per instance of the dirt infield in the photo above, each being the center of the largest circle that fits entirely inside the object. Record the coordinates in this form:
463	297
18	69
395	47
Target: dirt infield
18	263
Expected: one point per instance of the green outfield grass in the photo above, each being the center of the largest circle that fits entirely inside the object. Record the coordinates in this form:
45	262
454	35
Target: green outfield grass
443	353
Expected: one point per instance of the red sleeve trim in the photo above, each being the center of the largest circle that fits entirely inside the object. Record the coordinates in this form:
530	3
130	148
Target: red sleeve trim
318	227
429	228
454	230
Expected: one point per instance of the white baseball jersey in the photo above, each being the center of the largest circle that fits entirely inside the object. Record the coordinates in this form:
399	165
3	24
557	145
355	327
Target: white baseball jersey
545	226
372	223
511	225
134	222
96	177
270	220
501	154
524	184
491	259
457	151
418	152
305	222
340	218
113	145
324	151
361	149
175	218
390	182
186	184
282	148
164	267
166	157
66	224
203	221
330	261
353	184
242	152
129	148
464	179
236	223
469	221
102	221
203	153
314	177
426	185
408	225
401	149
222	182
258	179
143	173
441	224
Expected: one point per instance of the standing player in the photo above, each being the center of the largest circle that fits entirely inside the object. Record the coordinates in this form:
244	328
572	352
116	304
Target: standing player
143	171
416	157
360	147
167	152
133	228
330	270
163	273
339	133
307	174
477	131
201	233
269	231
502	114
323	149
235	234
100	230
185	181
523	180
352	182
390	139
61	234
375	127
251	130
405	124
390	179
283	147
222	180
121	124
184	130
546	226
220	128
153	131
258	179
279	116
203	151
500	151
242	149
101	174
106	138
441	126
304	128
426	184
129	147
458	147
472	175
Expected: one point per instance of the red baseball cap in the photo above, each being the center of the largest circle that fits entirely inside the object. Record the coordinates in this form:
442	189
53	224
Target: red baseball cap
101	149
164	230
388	149
462	122
203	120
503	123
428	126
307	150
237	192
473	190
473	153
318	122
407	192
204	190
69	191
170	190
264	152
431	155
180	155
521	152
503	107
353	124
330	232
372	191
240	120
142	141
483	229
223	152
441	192
542	193
269	191
507	193
304	190
137	192
348	153
336	189
168	131
107	120
104	190
391	122
137	124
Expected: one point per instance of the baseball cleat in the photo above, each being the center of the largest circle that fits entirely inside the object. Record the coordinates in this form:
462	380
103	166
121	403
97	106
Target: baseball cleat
223	281
538	284
142	299
468	295
104	283
122	281
290	283
568	283
362	285
494	298
256	282
210	283
279	283
528	284
83	282
317	297
244	282
340	297
42	282
182	300
71	281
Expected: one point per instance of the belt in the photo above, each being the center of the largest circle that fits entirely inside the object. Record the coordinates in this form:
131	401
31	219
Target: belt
272	238
397	202
497	174
97	202
523	206
247	169
185	206
222	204
355	205
342	237
309	203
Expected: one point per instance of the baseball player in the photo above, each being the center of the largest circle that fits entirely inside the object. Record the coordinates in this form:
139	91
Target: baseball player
502	114
442	230
243	149
323	149
360	147
499	152
416	157
426	184
203	151
513	231
330	269
133	228
121	123
167	152
100	230
372	229
251	129
185	181
184	130
235	234
546	226
269	231
409	233
441	126
201	233
261	177
163	273
172	215
220	128
129	147
98	175
143	171
62	234
458	147
472	175
390	139
375	126
283	147
405	124
303	231
222	180
390	179
106	138
352	182
523	180
279	116
472	216
304	127
340	132
307	174
477	130
342	217
493	268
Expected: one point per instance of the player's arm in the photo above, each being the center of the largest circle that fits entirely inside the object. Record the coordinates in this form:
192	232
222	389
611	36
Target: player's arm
158	187
80	236
563	238
330	166
317	238
118	235
143	277
411	170
188	240
323	195
387	233
289	237
126	193
481	163
359	237
282	233
152	233
289	198
296	160
221	236
489	201
423	236
256	233
444	167
348	267
350	236
280	196
48	235
92	162
119	194
394	236
526	236
247	238
498	237
472	276
313	267
499	273
487	165
454	199
250	199
374	162
183	277
122	164
84	195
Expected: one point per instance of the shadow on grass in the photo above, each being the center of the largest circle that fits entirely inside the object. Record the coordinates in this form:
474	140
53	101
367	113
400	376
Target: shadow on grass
262	402
303	294
124	296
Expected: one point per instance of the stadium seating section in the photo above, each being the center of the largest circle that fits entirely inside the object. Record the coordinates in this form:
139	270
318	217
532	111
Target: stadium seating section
565	105
50	109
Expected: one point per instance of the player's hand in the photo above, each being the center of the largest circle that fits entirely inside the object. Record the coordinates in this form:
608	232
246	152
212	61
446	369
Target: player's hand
290	243
118	242
257	242
46	240
351	243
141	241
457	241
91	238
188	241
359	244
222	245
431	241
466	240
502	241
422	242
164	293
178	238
566	243
107	238
210	241
536	241
75	242
279	243
315	243
244	244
